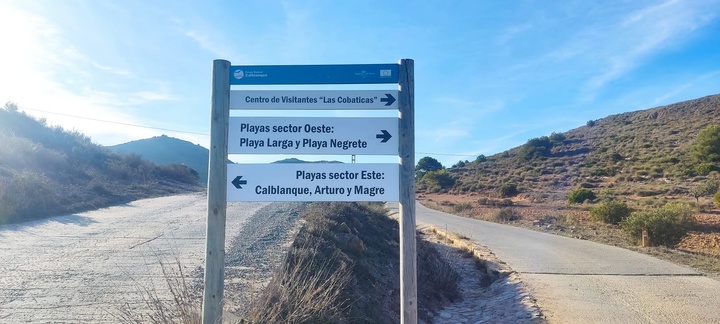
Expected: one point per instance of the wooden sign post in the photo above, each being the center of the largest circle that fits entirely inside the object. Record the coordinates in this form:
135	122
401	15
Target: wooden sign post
303	135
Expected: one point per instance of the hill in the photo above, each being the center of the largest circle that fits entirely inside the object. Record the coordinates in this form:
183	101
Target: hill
46	171
643	153
607	181
169	150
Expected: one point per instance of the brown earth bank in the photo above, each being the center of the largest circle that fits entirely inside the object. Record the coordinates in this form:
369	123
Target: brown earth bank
699	249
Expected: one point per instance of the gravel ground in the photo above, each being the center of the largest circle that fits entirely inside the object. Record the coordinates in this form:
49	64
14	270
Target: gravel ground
256	250
82	267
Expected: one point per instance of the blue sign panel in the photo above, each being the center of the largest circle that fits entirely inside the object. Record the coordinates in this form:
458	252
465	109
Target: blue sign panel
314	74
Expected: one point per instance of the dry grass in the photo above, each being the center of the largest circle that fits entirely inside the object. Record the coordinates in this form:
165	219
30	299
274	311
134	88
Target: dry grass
323	279
304	290
181	308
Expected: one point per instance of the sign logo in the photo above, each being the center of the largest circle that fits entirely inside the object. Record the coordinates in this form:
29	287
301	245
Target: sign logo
385	73
239	74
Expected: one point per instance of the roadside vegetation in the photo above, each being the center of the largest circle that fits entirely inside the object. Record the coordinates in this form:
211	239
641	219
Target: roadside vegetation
47	170
342	267
656	170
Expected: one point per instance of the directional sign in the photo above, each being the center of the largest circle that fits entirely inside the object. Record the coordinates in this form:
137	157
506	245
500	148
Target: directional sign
238	182
313	182
308	135
313	99
314	74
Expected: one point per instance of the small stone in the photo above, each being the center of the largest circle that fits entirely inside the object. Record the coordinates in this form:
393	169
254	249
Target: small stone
445	315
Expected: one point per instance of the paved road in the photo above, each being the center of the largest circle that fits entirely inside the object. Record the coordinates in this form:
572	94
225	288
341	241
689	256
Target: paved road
578	281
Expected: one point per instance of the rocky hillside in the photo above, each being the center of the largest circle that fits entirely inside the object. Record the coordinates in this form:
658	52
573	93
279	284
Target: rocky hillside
642	153
46	171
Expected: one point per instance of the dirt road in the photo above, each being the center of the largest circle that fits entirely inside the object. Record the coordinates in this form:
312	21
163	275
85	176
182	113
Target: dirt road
578	281
80	268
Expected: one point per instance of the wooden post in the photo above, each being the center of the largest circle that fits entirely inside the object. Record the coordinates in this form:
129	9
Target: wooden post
645	238
217	194
408	252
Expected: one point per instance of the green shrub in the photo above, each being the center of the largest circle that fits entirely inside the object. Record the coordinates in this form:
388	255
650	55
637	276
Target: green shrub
704	168
557	138
459	164
600	172
590	123
578	196
717	199
666	225
707	144
610	212
508	190
536	147
440	178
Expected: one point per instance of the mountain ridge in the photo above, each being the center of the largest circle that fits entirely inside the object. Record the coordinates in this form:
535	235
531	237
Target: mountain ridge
168	150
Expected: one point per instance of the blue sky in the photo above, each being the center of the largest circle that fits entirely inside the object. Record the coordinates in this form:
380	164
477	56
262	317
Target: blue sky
489	75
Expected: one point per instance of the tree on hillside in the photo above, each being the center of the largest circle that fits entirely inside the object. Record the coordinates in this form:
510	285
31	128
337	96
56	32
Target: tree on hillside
439	178
557	138
536	147
707	188
460	164
11	106
707	145
427	164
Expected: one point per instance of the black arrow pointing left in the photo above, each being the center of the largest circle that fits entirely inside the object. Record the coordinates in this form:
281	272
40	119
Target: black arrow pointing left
238	183
385	136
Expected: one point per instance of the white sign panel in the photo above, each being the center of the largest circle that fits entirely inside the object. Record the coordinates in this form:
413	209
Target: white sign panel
313	99
313	135
313	182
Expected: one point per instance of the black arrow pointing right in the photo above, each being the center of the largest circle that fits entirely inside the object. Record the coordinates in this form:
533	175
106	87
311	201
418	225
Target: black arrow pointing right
388	100
238	183
385	136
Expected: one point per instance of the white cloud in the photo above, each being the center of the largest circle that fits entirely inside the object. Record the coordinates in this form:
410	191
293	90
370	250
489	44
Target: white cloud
638	36
206	37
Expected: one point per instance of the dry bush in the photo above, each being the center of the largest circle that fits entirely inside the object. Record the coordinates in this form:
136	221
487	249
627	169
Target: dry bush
439	279
304	290
181	309
505	214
